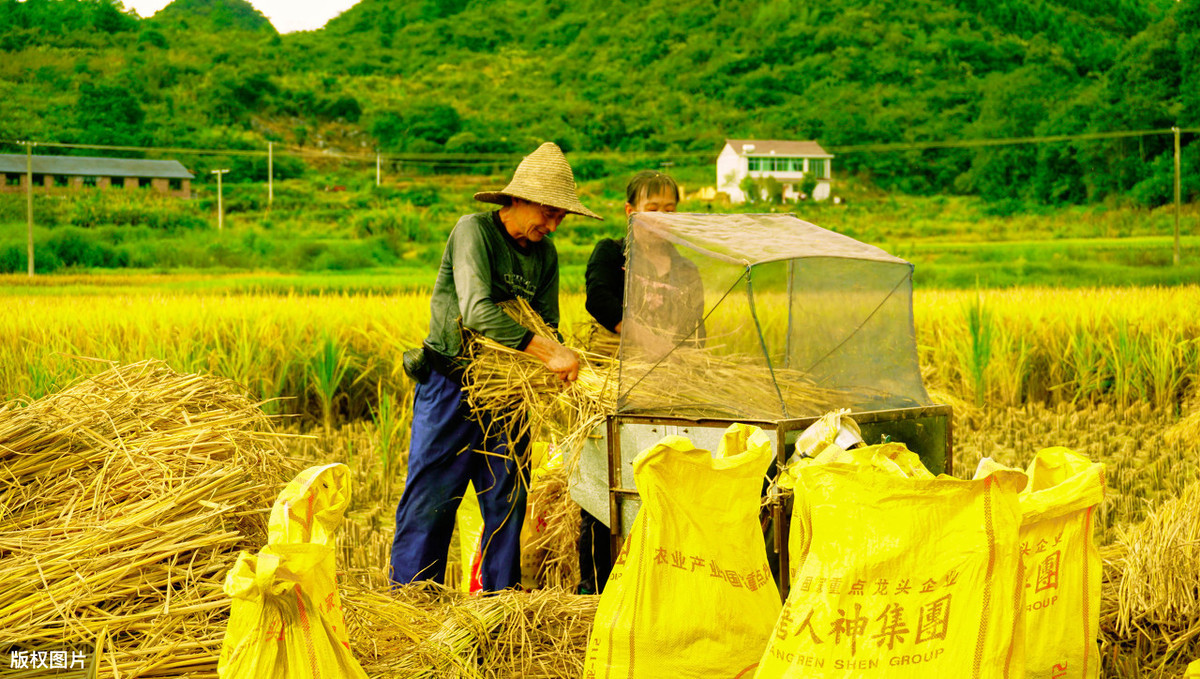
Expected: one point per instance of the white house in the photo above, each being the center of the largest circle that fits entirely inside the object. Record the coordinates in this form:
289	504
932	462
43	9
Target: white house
789	162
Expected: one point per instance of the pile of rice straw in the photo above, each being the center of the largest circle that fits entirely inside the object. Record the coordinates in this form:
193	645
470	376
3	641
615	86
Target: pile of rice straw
431	631
124	500
1150	601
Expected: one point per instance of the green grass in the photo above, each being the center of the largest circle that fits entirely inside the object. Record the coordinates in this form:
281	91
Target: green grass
379	281
1074	262
370	239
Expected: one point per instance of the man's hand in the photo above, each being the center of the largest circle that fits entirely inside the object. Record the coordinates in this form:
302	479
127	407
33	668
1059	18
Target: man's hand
558	359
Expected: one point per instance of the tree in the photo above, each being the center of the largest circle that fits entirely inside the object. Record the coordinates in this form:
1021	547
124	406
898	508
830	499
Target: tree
154	38
425	124
773	190
1007	110
108	19
234	95
108	114
751	189
346	108
808	185
433	122
388	128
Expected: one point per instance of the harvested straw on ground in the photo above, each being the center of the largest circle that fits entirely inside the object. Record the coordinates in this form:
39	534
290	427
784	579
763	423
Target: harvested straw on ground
1150	600
123	500
431	631
1187	429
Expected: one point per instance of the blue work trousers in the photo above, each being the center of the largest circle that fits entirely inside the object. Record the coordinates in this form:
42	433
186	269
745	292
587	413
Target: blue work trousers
443	456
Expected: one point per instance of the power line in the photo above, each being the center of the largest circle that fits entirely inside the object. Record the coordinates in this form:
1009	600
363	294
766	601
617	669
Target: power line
445	158
465	159
404	157
147	149
440	158
1009	141
394	157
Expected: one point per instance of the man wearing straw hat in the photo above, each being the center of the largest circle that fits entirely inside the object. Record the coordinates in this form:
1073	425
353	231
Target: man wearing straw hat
490	257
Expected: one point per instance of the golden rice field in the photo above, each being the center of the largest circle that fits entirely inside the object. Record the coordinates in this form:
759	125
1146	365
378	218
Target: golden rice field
1111	373
1129	353
1095	356
337	354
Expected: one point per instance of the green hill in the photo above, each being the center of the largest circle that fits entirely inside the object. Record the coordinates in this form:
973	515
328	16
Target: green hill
213	16
665	80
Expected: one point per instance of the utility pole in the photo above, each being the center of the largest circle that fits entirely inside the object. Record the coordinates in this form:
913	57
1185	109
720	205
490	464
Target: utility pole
1177	178
29	198
270	173
220	205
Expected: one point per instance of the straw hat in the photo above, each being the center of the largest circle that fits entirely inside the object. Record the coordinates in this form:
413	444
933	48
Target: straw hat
543	177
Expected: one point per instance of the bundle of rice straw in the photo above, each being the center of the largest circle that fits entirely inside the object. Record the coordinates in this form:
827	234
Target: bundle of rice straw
431	631
553	549
526	398
1150	607
596	339
125	498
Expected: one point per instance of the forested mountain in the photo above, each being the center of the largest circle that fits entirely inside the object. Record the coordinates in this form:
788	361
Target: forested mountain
213	17
664	77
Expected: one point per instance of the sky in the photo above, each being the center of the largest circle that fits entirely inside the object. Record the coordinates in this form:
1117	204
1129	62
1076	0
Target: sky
286	15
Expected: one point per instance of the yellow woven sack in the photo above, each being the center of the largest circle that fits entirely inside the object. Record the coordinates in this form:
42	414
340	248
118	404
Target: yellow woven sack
891	458
286	620
470	535
691	595
545	459
1062	565
897	574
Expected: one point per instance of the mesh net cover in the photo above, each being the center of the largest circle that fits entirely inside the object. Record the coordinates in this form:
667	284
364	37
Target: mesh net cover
762	316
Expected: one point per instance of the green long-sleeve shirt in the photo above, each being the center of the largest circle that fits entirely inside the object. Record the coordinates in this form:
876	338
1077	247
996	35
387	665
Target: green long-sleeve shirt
481	267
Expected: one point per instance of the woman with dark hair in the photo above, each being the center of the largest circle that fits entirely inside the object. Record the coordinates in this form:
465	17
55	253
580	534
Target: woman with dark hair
648	191
659	320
